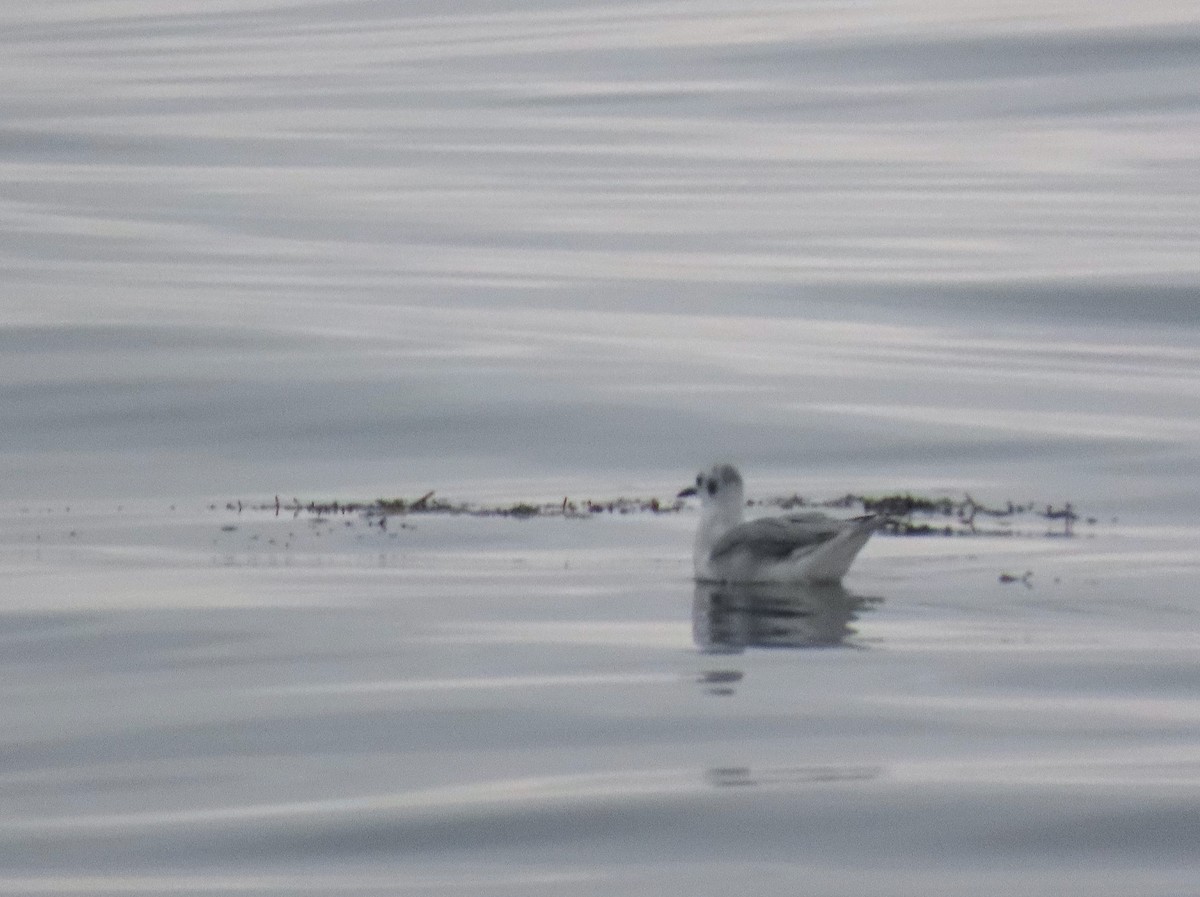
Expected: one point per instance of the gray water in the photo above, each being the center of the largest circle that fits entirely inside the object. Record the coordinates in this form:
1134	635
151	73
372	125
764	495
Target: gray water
532	249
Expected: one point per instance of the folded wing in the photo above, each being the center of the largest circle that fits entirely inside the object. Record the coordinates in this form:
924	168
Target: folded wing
776	538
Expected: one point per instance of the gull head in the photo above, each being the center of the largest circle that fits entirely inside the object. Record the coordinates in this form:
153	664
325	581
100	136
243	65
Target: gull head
720	492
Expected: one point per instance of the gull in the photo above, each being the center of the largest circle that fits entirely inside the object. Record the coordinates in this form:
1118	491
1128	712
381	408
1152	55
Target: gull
808	548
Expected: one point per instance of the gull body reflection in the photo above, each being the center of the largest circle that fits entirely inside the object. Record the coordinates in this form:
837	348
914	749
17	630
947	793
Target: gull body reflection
728	618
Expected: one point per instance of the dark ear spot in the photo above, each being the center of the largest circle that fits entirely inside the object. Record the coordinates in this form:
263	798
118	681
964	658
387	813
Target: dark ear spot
712	487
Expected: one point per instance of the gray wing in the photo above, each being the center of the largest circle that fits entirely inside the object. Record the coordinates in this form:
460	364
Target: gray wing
776	538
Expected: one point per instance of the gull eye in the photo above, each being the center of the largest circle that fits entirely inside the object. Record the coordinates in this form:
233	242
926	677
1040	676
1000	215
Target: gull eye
712	487
699	480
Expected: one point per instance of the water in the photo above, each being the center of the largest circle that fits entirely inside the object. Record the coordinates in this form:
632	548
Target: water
485	705
522	251
359	248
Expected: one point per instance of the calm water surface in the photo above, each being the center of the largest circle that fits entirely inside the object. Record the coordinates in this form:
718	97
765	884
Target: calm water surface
488	706
535	249
363	247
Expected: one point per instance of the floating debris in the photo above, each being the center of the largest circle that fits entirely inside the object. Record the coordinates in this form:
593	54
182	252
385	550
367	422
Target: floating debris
1066	514
920	515
521	509
907	514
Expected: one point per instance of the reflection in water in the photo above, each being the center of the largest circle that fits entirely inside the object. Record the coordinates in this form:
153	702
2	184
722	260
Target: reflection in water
728	618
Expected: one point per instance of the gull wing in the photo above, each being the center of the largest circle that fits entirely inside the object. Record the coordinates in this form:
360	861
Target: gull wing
776	538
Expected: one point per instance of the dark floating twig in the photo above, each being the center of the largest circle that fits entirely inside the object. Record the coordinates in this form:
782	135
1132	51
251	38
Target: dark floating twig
906	514
1066	514
1023	579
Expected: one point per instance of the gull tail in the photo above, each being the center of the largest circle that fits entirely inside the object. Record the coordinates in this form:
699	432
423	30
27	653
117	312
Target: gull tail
831	561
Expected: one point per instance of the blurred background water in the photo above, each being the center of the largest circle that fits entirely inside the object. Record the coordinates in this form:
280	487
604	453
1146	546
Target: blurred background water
364	248
535	248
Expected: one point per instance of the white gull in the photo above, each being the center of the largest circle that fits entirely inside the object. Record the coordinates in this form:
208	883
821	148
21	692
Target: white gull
812	547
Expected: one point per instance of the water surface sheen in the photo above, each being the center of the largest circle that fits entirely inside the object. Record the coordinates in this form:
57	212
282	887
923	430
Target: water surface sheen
540	248
367	246
209	711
